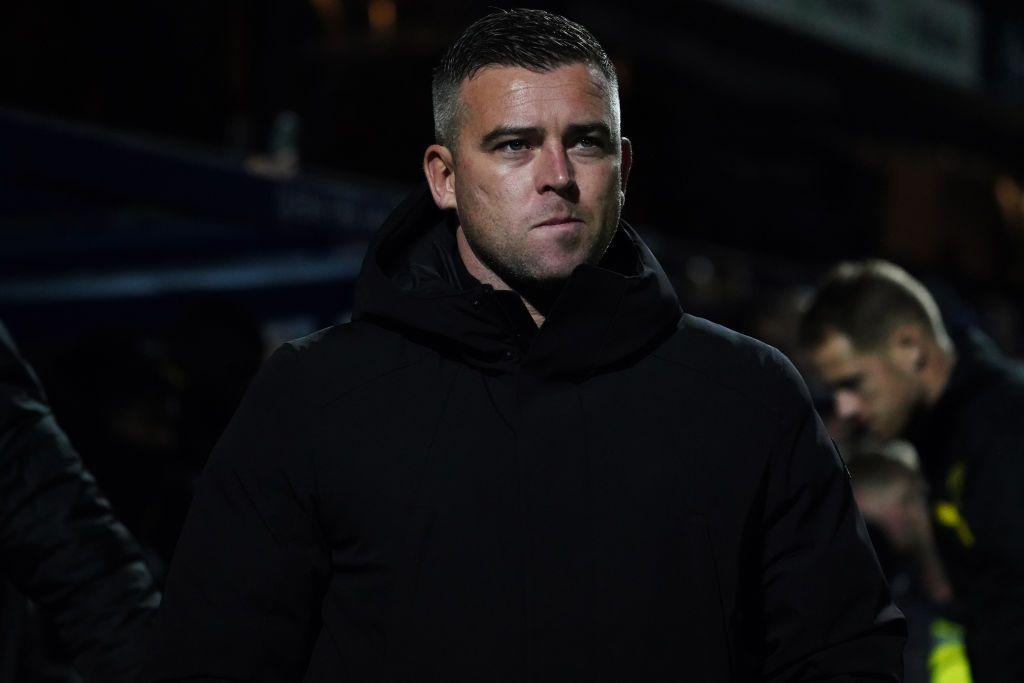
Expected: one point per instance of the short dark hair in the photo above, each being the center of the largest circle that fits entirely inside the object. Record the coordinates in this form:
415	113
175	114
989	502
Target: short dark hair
866	301
529	38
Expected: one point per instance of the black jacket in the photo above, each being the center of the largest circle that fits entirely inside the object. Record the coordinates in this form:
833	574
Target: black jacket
60	544
971	445
439	492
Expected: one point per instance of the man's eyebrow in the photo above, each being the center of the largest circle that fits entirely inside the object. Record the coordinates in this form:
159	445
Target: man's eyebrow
591	127
510	132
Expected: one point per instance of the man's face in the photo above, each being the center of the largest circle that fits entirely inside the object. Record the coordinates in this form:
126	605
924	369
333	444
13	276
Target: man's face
900	509
876	389
537	175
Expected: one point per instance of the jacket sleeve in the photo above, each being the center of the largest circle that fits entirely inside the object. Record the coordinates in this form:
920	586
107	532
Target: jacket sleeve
60	544
827	609
245	586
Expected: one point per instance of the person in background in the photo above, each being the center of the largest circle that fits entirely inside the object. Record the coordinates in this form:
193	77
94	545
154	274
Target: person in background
521	461
875	335
892	496
62	547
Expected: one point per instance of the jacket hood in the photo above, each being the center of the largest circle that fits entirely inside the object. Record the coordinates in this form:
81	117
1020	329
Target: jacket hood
414	282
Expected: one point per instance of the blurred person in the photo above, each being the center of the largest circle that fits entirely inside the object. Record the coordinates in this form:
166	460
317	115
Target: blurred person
521	461
61	546
877	339
892	496
893	493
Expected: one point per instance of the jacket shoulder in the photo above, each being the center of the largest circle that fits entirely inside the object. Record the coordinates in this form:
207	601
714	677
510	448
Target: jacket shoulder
342	358
720	359
299	379
1002	395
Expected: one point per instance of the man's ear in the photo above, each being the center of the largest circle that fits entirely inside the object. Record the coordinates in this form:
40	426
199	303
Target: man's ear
439	167
627	162
907	346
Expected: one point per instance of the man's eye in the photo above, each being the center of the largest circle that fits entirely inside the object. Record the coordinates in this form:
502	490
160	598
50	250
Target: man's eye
513	145
590	144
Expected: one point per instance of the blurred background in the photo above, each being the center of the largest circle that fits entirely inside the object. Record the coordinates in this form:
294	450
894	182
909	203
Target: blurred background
184	185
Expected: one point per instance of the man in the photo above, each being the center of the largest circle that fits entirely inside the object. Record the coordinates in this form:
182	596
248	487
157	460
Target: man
878	340
520	462
891	495
61	546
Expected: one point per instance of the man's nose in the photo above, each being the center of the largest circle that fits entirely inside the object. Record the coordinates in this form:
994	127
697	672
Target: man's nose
848	405
555	171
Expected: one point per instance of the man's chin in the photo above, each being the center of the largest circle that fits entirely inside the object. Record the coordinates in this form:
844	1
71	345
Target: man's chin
553	272
545	280
537	283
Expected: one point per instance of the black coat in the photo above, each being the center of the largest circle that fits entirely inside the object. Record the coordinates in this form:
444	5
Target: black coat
61	545
971	444
439	492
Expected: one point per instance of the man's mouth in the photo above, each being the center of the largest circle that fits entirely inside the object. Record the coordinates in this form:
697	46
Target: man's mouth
558	222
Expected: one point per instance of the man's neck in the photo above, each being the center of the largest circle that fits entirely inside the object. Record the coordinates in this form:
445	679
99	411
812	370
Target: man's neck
487	276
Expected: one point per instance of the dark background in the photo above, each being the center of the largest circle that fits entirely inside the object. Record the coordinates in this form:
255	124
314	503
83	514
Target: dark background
183	185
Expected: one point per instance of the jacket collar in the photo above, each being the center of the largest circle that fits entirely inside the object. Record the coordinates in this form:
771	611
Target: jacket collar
413	281
978	361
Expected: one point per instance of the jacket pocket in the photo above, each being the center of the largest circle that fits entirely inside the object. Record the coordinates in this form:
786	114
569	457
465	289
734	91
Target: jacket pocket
688	615
710	641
